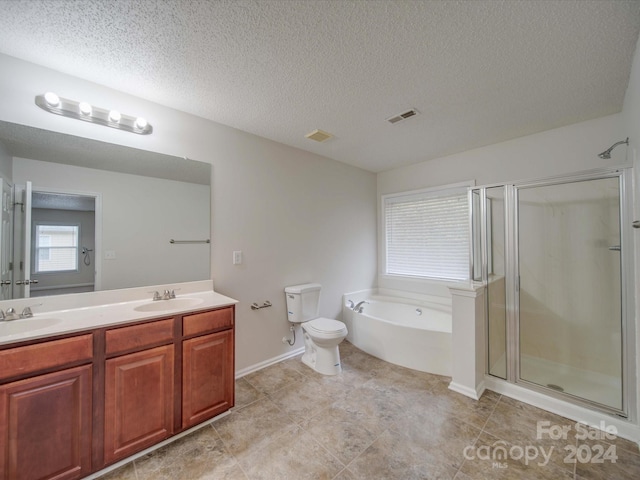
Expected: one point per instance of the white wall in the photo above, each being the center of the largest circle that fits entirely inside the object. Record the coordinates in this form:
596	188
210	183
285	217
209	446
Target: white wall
554	152
297	216
6	169
631	128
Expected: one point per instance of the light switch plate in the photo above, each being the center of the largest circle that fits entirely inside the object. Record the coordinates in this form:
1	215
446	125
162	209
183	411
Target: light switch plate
237	257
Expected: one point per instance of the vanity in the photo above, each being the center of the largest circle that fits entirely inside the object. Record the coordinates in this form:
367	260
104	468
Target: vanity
109	380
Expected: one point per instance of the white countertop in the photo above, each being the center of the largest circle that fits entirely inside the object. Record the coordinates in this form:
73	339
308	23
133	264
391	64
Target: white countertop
46	323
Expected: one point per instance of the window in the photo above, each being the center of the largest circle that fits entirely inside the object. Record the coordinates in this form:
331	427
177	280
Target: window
56	248
427	233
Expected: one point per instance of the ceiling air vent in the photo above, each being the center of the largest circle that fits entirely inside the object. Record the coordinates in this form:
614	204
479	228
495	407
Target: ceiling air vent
318	135
403	116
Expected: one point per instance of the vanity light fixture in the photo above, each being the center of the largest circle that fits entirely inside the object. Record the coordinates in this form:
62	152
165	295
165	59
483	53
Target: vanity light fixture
115	116
85	111
52	99
85	108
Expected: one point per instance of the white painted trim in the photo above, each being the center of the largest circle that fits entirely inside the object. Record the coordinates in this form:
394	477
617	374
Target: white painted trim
269	362
467	391
625	429
472	290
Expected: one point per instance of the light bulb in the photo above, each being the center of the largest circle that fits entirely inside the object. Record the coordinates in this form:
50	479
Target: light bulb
114	116
52	99
85	108
141	123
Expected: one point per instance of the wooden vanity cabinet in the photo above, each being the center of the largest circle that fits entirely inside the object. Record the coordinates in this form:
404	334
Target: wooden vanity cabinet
46	418
74	405
208	373
207	379
165	376
139	388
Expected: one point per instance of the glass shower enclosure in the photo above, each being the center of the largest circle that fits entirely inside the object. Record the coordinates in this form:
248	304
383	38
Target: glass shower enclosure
551	255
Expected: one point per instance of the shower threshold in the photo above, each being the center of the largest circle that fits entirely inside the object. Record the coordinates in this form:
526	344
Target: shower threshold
592	386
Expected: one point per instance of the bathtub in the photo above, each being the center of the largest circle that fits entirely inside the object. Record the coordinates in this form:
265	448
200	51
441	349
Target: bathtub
407	332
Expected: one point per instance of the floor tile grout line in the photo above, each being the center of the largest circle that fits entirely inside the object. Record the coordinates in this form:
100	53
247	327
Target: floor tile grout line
365	449
228	452
474	441
489	416
574	468
339	473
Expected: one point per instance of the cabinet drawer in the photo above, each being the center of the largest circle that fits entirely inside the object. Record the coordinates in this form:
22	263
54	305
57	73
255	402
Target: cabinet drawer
138	336
42	356
207	321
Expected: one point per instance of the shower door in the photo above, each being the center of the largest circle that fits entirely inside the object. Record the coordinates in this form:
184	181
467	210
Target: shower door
569	291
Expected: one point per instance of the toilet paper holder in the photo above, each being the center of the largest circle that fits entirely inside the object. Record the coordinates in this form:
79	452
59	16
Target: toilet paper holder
255	306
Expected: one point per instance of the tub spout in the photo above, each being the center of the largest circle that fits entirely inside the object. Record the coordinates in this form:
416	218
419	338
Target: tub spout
358	308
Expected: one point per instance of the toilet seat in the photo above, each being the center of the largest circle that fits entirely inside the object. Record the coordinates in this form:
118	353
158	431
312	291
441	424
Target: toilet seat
325	328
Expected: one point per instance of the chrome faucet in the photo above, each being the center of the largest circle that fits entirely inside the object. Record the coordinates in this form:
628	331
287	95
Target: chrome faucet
167	295
11	313
358	308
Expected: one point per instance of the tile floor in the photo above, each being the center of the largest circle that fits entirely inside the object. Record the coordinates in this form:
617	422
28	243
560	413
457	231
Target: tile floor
379	421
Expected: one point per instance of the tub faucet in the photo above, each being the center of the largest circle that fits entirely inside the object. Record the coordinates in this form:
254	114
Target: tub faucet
358	308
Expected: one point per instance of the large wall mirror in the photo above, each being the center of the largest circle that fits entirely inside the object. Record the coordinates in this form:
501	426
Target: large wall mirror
81	215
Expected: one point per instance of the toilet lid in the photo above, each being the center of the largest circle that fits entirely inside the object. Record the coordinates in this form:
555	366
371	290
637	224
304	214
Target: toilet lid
326	325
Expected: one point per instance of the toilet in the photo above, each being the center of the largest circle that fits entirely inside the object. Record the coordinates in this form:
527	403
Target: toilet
321	335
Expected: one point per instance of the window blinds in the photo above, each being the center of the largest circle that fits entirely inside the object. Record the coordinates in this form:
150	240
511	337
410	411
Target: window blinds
56	248
427	234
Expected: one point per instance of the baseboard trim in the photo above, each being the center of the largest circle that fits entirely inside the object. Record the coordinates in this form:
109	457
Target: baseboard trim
468	391
266	363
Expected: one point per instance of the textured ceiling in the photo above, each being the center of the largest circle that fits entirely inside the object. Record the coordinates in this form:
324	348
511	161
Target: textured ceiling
479	72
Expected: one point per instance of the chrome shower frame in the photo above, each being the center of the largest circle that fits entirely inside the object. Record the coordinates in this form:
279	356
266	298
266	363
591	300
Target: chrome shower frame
628	328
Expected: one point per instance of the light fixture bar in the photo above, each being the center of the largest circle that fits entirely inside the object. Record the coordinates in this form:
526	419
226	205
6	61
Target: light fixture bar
89	113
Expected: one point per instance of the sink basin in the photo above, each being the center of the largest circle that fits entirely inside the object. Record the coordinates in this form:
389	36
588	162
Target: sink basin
23	325
166	305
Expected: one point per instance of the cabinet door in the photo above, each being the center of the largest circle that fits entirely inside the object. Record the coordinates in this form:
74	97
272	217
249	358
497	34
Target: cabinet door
138	401
45	426
207	376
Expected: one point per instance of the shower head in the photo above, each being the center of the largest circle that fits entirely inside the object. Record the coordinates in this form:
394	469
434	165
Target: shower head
607	153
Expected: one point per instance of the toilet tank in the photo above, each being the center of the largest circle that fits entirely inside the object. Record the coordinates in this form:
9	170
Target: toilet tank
303	302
